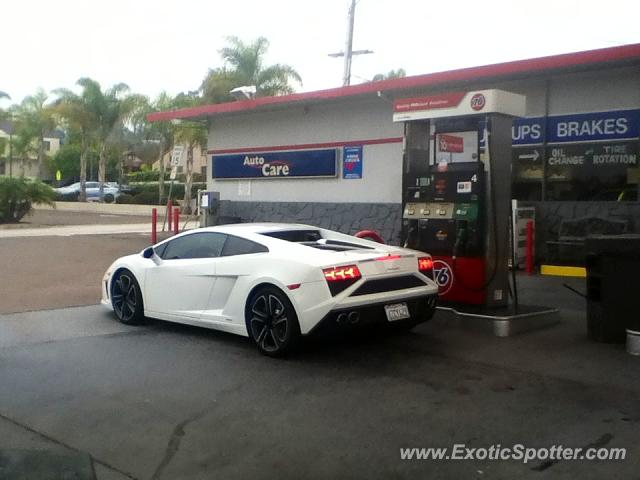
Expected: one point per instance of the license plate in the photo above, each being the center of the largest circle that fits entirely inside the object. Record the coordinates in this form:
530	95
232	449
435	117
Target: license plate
397	311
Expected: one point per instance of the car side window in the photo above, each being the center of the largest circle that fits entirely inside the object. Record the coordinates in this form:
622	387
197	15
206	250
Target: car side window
241	246
195	245
160	249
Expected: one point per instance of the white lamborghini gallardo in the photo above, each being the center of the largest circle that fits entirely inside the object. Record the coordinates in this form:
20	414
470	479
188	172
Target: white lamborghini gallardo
272	282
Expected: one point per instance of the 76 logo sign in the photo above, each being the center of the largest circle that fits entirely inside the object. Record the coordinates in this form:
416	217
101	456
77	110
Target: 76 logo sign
443	276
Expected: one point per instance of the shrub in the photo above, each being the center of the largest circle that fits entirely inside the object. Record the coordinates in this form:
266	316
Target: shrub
17	196
124	198
147	193
145	198
67	197
151	176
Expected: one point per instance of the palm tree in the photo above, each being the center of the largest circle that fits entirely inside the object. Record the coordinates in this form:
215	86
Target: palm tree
192	135
244	66
2	112
78	112
100	116
35	120
112	107
164	132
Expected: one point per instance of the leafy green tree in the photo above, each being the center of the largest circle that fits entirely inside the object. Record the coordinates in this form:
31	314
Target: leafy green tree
67	160
399	73
23	148
18	195
35	118
244	65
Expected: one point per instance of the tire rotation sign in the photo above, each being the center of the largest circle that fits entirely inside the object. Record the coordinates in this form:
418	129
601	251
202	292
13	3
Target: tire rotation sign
276	165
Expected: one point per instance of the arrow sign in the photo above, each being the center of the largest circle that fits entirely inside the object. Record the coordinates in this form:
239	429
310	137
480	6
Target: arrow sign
530	156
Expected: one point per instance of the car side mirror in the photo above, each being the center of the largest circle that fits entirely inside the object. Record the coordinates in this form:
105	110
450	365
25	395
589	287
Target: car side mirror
150	253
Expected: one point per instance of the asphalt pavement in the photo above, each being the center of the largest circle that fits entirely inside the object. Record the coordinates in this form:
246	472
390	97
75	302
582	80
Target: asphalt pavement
83	396
175	402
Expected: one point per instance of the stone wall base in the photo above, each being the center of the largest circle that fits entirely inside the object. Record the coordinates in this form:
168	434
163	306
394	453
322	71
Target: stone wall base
385	218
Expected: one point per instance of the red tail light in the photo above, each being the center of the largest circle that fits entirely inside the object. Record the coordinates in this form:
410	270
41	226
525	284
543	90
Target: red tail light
389	257
425	264
341	278
336	274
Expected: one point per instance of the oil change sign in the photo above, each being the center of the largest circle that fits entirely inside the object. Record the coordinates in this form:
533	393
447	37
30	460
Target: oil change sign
594	155
276	165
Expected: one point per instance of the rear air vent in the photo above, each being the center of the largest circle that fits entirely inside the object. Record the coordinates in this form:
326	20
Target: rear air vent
388	285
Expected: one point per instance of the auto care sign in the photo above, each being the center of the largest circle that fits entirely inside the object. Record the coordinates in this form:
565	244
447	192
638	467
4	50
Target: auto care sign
352	162
276	165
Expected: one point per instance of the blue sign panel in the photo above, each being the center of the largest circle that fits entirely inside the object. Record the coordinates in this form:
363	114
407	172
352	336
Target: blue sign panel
303	163
580	127
589	127
352	162
527	131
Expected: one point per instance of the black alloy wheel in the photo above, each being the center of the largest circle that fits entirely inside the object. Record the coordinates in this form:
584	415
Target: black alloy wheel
126	299
272	322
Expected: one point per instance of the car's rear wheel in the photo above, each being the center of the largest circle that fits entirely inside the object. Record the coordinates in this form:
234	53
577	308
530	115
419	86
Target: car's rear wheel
272	322
126	298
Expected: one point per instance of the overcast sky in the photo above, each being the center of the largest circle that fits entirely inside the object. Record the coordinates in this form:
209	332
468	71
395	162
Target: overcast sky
155	45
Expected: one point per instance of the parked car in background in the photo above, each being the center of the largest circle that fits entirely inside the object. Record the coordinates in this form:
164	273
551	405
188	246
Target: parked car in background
111	191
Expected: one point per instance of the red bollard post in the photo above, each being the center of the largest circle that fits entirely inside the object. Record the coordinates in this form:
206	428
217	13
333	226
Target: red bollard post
176	221
529	264
169	214
154	226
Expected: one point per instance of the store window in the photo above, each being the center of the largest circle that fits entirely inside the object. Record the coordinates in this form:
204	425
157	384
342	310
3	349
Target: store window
592	172
527	173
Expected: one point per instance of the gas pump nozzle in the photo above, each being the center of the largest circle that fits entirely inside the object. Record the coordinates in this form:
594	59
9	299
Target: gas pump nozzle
461	237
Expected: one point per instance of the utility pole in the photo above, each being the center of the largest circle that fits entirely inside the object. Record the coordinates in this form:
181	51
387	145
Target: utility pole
348	48
11	152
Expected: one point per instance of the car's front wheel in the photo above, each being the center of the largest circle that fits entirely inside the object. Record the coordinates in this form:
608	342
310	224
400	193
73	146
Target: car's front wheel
126	298
272	322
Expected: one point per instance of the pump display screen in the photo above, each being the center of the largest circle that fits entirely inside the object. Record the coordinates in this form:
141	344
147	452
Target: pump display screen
455	147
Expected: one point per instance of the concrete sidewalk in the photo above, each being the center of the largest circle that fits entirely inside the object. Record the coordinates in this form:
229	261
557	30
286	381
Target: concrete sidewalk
70	230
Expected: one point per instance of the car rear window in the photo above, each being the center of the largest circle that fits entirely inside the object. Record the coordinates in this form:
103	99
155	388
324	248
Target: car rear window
313	238
241	246
297	236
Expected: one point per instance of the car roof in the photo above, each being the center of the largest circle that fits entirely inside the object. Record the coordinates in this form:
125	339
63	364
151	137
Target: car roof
244	228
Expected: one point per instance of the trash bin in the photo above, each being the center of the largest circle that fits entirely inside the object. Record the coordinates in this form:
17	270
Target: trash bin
613	299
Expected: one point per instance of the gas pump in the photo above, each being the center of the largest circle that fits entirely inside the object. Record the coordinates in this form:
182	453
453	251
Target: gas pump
457	189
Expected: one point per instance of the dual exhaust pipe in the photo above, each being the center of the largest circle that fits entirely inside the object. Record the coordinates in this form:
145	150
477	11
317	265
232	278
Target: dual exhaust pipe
348	318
